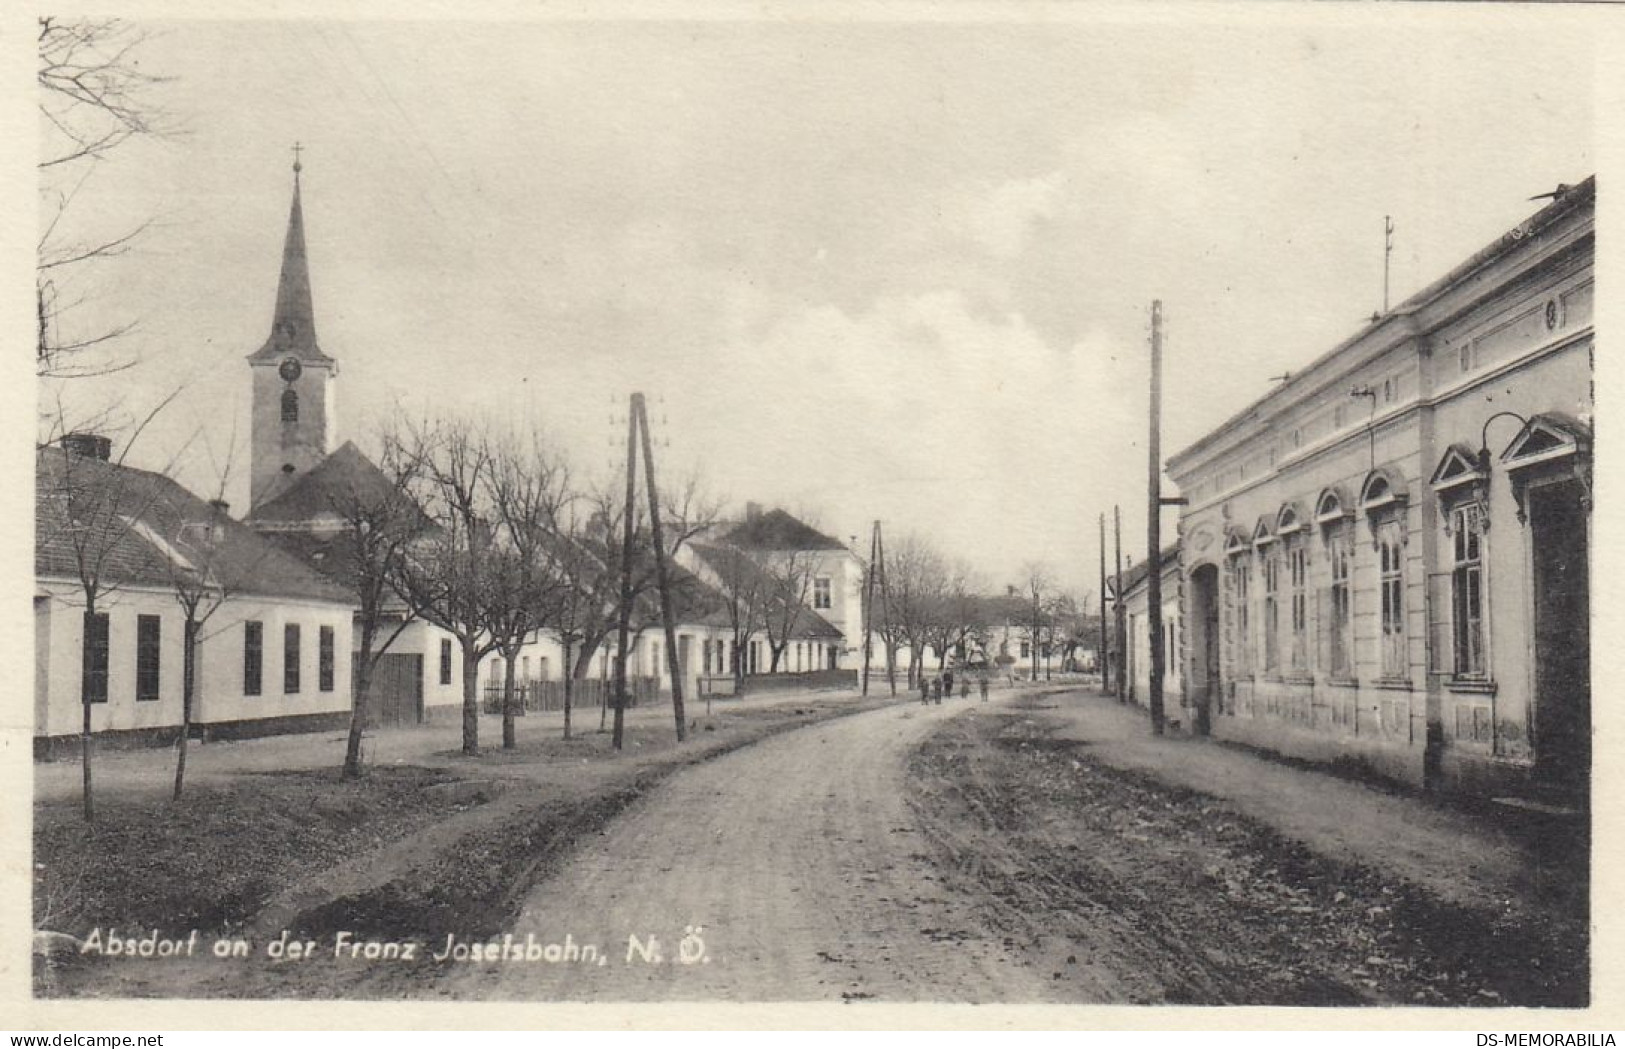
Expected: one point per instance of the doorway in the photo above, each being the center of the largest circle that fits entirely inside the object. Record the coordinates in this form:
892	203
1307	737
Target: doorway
1204	641
1561	562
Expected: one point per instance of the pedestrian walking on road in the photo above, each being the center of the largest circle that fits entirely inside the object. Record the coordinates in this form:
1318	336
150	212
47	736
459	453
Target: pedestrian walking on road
925	691
948	684
936	690
982	684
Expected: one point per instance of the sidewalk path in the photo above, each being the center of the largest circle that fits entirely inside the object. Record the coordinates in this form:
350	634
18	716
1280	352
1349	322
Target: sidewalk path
1453	853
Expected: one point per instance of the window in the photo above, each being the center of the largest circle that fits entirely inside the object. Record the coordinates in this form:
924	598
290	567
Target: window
1272	610
290	406
1390	558
1241	576
97	640
324	659
1026	650
525	666
1467	590
1297	568
445	661
253	656
821	593
147	632
1339	620
290	658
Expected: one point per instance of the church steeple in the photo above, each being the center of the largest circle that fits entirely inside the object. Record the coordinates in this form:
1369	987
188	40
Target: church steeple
293	406
293	325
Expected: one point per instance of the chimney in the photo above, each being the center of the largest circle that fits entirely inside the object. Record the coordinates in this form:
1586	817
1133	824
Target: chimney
752	511
221	507
89	445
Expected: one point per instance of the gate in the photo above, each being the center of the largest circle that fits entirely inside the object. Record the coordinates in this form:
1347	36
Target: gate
397	690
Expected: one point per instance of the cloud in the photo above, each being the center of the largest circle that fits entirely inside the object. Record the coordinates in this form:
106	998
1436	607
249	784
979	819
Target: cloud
1002	220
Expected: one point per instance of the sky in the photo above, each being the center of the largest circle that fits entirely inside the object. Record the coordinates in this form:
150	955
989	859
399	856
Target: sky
896	270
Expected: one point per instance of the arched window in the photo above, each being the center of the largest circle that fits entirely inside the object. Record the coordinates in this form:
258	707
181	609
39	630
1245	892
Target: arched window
290	406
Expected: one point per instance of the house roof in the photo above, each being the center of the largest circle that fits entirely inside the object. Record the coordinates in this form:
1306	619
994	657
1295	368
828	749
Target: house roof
293	322
777	530
343	477
1135	575
144	528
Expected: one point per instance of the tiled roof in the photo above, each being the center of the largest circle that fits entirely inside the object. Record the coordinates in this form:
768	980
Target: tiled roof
137	526
777	530
342	478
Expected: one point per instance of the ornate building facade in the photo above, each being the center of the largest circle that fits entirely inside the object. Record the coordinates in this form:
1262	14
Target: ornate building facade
1386	560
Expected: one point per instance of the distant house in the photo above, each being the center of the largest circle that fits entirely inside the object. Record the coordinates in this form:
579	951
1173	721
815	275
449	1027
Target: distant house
1135	595
809	641
274	656
834	574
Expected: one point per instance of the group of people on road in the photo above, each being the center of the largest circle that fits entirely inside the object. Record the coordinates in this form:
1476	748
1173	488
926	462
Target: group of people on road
934	688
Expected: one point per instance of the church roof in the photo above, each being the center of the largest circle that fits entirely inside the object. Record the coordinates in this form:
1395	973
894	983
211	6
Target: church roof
143	528
342	478
293	324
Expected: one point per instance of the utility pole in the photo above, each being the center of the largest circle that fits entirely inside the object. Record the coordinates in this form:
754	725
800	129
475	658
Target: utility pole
869	603
885	606
1105	681
1387	251
1119	620
1153	525
667	617
624	620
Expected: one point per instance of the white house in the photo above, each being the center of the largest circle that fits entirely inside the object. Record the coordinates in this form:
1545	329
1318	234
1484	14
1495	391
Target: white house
274	642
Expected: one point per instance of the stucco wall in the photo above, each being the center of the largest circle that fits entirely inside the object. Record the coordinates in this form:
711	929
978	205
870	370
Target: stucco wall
219	696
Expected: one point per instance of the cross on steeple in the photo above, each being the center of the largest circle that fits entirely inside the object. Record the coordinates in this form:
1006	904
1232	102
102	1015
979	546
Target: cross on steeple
297	167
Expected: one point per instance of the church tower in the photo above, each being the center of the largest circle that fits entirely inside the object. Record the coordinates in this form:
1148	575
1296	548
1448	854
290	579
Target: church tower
293	379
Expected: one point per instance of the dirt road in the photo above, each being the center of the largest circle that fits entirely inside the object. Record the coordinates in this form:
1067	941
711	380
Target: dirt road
796	861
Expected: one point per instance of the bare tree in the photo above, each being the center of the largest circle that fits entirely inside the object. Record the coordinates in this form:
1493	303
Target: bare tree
94	97
586	602
1039	587
445	574
529	491
916	572
377	522
202	581
789	581
957	614
745	591
686	512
